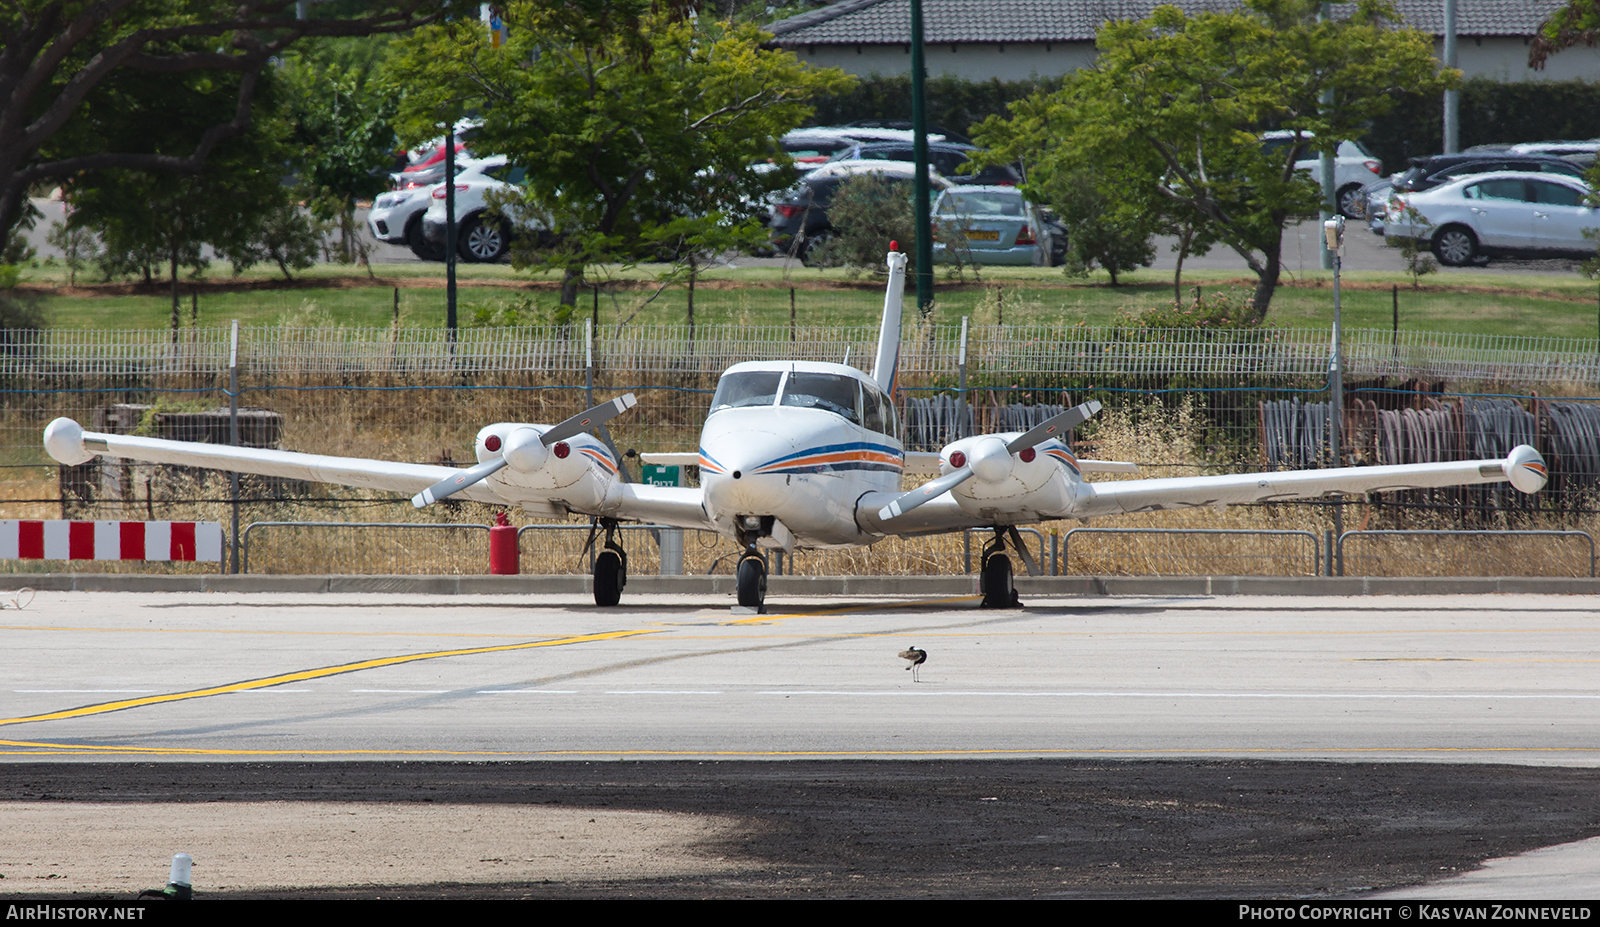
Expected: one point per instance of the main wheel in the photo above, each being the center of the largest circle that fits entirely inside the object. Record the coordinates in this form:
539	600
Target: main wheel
420	246
610	574
484	241
752	581
1455	246
998	592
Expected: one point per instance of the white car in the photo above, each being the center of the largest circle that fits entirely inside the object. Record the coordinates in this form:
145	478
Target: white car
480	236
1506	212
396	216
1353	169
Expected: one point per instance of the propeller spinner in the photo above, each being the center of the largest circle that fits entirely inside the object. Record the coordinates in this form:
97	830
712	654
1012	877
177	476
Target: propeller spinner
526	450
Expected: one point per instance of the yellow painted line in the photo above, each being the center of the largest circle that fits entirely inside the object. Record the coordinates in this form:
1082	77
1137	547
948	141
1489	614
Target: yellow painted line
851	610
248	631
53	749
318	673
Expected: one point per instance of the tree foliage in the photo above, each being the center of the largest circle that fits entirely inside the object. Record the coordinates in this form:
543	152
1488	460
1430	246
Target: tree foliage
1170	116
624	117
65	66
1576	23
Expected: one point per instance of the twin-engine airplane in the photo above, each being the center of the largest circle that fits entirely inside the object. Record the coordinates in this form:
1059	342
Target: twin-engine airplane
801	455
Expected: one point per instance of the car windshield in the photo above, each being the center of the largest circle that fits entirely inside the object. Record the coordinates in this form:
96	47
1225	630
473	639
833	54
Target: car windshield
980	204
830	391
751	388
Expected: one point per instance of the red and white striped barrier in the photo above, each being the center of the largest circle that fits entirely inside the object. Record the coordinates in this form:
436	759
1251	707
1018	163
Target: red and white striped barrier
110	540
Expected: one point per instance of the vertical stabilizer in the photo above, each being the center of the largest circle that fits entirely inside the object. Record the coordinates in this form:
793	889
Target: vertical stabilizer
888	359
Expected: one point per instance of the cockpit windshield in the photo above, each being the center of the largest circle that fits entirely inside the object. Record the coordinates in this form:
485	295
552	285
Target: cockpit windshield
750	388
829	391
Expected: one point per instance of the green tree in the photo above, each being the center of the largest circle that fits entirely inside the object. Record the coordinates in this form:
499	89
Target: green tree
618	114
1171	113
341	137
56	55
1576	23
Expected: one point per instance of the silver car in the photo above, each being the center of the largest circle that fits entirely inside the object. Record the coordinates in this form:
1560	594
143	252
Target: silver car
1506	212
994	225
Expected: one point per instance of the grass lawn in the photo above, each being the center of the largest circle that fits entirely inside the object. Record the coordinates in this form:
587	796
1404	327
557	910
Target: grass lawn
1544	305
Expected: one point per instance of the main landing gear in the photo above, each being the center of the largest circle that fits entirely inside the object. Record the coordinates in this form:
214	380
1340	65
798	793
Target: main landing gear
610	568
994	579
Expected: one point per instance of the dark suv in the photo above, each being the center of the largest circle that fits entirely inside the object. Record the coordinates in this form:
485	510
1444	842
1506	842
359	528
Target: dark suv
1430	172
799	221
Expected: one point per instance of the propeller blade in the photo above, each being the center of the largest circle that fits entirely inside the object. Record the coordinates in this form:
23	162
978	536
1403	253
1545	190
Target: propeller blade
451	485
589	419
932	489
578	424
1054	426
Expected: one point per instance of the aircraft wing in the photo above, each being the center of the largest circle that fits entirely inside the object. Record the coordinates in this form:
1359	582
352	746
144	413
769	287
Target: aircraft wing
678	506
1523	470
69	443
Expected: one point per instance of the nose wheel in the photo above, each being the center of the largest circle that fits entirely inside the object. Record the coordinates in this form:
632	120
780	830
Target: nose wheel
994	578
610	569
752	579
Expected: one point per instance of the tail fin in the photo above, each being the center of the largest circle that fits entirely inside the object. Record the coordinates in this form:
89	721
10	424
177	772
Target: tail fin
888	359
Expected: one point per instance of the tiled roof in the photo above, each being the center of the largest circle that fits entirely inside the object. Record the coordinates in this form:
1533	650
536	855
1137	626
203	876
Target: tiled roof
888	22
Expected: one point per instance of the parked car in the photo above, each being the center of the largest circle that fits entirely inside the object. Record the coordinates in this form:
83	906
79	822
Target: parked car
994	225
1581	153
1509	212
1375	203
945	157
1353	167
811	148
799	220
397	216
481	236
1427	173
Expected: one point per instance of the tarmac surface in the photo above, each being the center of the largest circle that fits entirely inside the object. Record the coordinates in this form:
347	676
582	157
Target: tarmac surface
1175	746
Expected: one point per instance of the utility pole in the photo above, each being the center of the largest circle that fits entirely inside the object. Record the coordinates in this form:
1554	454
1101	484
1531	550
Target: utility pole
1452	98
920	191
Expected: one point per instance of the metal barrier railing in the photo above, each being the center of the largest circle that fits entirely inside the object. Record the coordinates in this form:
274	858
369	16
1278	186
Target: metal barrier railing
1210	533
1482	536
244	566
1056	561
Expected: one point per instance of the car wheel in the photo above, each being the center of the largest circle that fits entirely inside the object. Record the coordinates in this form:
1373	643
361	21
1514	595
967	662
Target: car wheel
1455	246
1352	203
483	242
424	249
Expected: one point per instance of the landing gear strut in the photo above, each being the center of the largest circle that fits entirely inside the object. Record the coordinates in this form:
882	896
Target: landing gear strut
994	580
610	568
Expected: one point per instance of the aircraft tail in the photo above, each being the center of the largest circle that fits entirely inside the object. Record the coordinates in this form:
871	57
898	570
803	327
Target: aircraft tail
887	361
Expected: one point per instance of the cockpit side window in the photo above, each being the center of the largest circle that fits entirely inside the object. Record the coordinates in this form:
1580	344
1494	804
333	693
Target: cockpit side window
830	391
750	388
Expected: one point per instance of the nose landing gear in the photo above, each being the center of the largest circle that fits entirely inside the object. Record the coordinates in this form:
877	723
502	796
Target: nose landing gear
752	577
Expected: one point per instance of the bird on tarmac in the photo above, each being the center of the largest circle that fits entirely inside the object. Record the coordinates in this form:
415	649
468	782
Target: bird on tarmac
917	658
